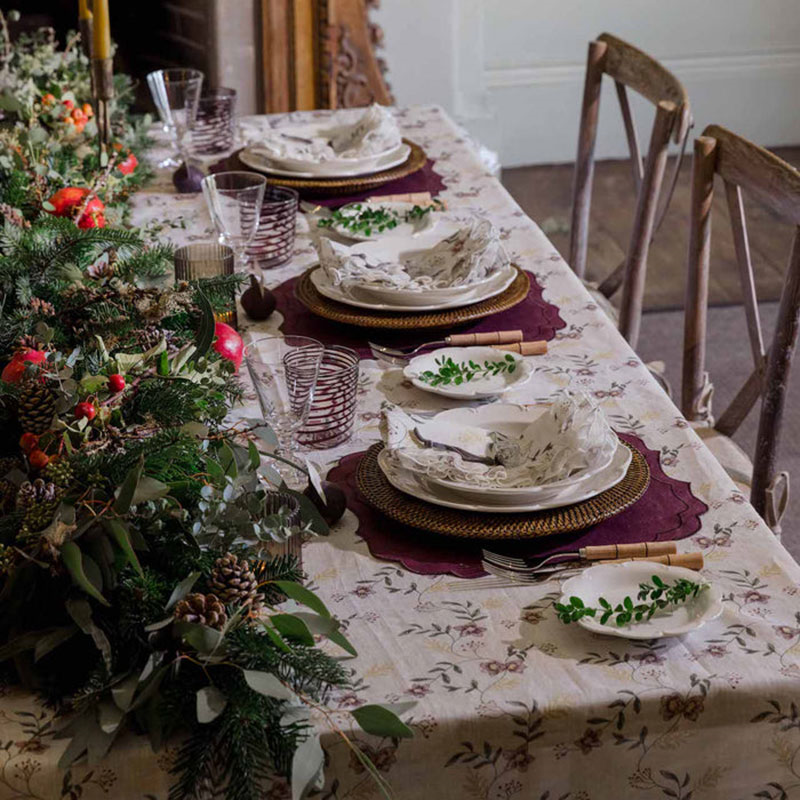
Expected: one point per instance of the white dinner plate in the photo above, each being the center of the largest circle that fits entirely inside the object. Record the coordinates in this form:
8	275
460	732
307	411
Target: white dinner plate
498	284
403	230
259	161
424	489
480	386
511	420
616	581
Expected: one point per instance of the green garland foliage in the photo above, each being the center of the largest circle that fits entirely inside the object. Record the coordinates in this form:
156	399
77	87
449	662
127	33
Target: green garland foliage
136	581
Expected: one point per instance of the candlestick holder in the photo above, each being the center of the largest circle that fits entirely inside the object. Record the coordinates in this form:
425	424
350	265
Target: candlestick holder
103	78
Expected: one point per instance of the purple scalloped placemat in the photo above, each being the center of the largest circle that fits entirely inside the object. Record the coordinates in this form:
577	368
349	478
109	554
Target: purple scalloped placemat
538	320
668	510
425	179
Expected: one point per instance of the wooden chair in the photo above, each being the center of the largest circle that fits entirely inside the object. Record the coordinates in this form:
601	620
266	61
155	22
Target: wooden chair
742	165
631	69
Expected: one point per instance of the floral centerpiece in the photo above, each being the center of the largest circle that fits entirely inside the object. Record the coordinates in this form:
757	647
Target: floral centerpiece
136	587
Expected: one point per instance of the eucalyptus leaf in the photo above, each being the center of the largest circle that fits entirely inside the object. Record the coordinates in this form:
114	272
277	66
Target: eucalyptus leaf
328	627
122	692
72	559
302	595
182	589
211	703
119	532
125	493
310	513
50	641
81	613
308	763
203	638
292	627
205	334
267	684
382	721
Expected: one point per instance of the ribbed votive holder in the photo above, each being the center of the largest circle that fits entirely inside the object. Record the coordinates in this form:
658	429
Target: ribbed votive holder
212	131
273	243
205	260
333	409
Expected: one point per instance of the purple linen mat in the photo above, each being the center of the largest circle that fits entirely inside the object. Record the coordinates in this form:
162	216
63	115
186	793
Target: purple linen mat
667	511
425	179
538	320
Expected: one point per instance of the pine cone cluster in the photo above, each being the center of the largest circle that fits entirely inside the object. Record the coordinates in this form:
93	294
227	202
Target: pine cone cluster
37	406
39	306
38	502
201	609
235	583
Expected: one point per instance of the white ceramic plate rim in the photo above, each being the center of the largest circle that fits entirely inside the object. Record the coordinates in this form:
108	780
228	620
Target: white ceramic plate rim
417	486
521	375
518	414
634	573
262	163
327	289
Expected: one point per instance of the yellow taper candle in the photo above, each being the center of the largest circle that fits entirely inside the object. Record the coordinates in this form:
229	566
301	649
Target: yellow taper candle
102	30
83	10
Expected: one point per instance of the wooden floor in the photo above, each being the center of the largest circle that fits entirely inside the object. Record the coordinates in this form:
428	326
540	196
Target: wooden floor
545	194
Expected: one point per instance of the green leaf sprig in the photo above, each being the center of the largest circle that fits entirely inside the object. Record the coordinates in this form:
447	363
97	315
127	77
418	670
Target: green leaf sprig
369	218
652	597
450	372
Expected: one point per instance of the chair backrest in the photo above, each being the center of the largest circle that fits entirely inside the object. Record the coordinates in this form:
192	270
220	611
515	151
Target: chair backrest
743	165
631	68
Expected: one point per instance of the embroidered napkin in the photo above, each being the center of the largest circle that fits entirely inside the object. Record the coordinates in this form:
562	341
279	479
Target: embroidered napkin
374	133
468	256
570	437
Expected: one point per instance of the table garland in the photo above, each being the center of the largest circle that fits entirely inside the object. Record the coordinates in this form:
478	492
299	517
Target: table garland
135	589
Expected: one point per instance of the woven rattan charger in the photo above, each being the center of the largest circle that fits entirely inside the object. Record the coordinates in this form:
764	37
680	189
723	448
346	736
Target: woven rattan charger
396	505
320	186
401	320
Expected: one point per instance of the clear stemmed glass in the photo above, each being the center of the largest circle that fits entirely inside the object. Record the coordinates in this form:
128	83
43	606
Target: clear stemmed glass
176	93
284	372
234	201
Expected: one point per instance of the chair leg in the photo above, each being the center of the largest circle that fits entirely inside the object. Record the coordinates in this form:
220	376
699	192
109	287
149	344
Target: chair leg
694	330
776	382
630	314
584	161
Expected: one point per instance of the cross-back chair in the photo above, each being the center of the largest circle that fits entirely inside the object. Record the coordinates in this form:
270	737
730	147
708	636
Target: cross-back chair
770	180
630	68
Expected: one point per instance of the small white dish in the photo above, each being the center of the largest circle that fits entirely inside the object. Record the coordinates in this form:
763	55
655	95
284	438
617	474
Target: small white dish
512	420
403	230
616	581
482	385
496	285
253	158
423	488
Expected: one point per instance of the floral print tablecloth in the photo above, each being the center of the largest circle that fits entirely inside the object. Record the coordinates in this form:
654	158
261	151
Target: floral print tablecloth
509	702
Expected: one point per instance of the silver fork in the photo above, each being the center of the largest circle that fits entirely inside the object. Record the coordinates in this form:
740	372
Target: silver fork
400	357
590	553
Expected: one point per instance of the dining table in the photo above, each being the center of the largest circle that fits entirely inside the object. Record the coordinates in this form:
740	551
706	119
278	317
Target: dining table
504	700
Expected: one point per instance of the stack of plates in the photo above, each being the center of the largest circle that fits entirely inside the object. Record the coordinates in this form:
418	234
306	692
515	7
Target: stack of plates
496	499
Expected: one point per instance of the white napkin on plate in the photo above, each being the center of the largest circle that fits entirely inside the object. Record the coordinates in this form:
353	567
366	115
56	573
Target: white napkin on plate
570	437
375	132
467	257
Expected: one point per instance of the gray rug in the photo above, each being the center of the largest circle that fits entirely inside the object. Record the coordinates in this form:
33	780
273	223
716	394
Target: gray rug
729	365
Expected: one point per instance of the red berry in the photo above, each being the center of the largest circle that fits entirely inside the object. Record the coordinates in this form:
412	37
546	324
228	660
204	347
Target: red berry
228	344
28	441
116	382
38	459
85	410
129	164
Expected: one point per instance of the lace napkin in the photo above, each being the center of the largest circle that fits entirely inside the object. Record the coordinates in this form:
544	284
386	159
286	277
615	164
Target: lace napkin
464	258
570	437
374	133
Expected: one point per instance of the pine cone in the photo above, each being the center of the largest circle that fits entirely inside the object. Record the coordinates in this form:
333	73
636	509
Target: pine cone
38	501
201	609
39	306
235	583
59	472
37	405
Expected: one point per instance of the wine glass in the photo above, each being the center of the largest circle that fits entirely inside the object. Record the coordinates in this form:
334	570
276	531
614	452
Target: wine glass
234	202
284	373
176	93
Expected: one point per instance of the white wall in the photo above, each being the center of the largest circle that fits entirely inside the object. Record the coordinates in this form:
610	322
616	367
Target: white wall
512	70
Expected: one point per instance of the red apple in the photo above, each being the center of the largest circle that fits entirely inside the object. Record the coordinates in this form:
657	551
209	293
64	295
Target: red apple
68	200
85	410
228	344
